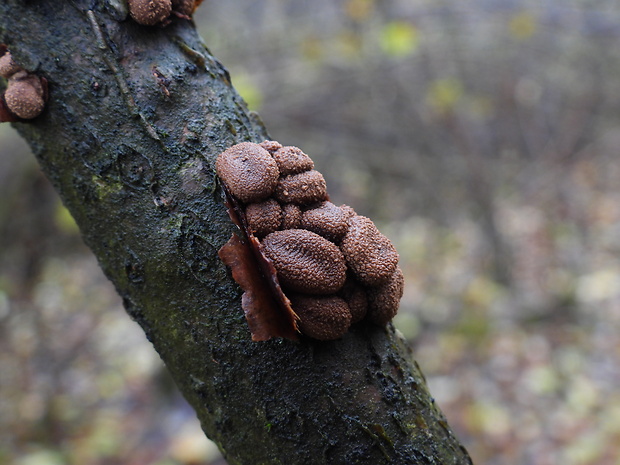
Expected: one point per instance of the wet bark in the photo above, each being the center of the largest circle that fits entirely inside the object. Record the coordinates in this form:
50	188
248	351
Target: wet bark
128	138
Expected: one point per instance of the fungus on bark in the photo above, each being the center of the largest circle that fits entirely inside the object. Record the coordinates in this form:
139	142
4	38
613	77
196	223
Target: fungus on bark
248	171
150	12
291	160
302	189
383	300
8	67
306	262
263	217
25	95
322	317
274	195
370	255
327	220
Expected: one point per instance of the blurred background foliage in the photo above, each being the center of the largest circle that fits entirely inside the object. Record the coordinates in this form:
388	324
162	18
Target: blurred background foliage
482	137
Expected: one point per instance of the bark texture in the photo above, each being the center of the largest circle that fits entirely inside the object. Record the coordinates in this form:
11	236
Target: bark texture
135	118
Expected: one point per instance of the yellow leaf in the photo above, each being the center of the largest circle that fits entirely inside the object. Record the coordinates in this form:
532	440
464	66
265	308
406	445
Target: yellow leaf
359	10
523	25
399	38
311	48
349	44
444	94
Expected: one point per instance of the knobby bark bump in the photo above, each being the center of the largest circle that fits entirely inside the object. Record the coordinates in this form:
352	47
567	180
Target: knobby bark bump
128	137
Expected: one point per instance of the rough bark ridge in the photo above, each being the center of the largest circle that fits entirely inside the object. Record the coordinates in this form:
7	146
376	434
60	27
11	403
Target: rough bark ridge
135	118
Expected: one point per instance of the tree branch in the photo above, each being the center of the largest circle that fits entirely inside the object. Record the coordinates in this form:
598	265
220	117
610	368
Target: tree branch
135	118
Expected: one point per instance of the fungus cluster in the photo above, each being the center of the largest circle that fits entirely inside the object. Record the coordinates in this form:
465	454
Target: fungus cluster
26	93
334	266
158	12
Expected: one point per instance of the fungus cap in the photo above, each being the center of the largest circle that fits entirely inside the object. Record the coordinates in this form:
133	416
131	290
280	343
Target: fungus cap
8	67
291	160
383	301
263	217
302	189
370	255
24	97
305	262
248	171
327	220
322	317
150	12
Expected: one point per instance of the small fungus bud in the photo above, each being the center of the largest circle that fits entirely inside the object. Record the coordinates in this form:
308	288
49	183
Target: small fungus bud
292	160
370	255
303	189
327	220
24	96
322	317
8	67
263	217
248	171
271	146
291	216
305	261
383	300
150	12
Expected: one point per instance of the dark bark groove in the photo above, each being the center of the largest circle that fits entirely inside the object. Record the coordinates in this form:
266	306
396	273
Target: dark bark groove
128	138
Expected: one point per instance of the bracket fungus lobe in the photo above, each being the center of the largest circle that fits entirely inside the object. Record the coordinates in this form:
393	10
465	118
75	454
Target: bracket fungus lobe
305	261
370	254
325	267
249	172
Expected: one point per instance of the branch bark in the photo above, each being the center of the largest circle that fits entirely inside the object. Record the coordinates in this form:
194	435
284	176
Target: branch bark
135	118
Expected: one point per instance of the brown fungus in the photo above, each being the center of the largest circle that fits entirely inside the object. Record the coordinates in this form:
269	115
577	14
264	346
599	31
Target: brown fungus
264	217
8	67
327	220
370	255
292	160
322	317
248	171
150	12
302	189
306	262
25	95
291	216
383	300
